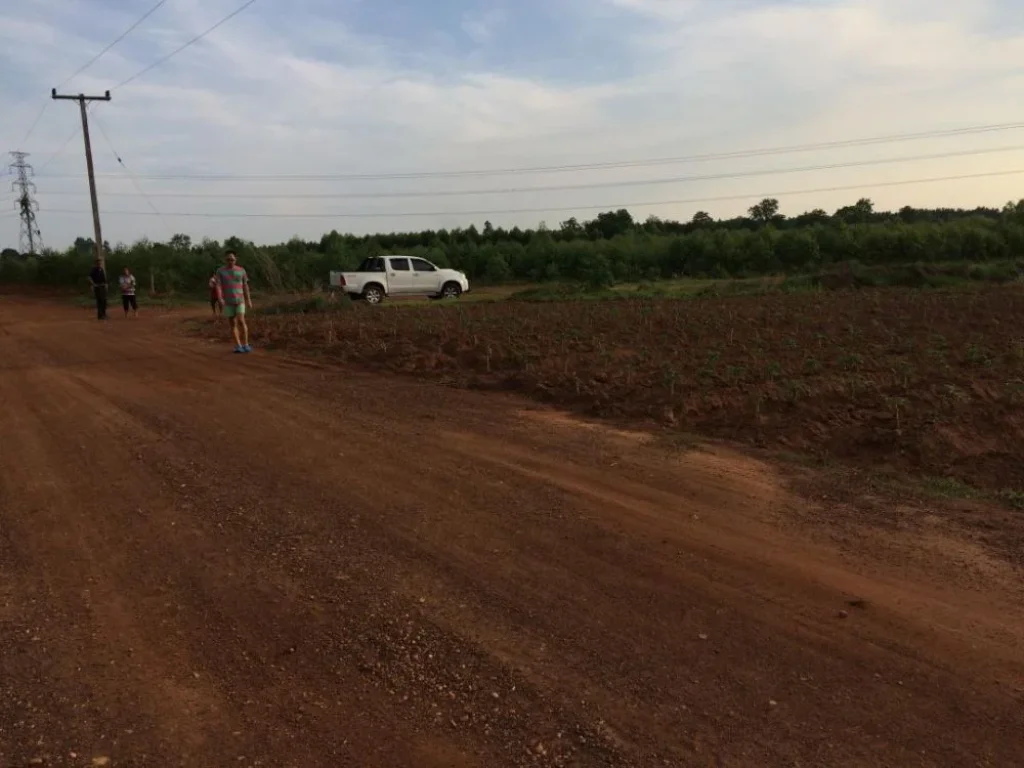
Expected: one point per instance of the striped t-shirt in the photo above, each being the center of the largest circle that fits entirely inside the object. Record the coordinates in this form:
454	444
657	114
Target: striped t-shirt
232	281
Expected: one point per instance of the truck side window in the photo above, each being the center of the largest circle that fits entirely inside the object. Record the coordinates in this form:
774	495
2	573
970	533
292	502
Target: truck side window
400	265
419	265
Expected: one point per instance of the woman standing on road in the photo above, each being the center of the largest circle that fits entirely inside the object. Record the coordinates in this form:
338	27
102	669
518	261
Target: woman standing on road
128	300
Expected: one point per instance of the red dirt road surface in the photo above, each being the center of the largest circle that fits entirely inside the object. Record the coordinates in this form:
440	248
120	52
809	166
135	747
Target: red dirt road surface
215	560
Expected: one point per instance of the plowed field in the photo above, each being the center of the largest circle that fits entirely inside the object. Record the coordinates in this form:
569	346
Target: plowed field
927	380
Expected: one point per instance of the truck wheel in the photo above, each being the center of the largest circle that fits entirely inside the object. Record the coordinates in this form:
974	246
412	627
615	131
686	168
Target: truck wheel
451	291
373	294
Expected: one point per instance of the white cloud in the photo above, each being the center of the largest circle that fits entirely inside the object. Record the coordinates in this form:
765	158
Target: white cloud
480	25
303	94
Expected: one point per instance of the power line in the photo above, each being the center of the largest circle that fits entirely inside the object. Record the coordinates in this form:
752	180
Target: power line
556	209
593	185
63	146
89	63
677	160
117	156
116	40
35	123
191	42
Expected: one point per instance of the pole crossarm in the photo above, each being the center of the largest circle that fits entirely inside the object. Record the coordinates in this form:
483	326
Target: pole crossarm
79	97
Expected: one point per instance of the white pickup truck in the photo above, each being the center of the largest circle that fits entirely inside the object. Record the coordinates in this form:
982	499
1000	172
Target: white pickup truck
381	276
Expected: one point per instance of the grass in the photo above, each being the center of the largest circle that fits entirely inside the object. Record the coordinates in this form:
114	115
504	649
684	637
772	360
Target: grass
662	289
839	277
677	441
951	488
175	301
305	305
1012	498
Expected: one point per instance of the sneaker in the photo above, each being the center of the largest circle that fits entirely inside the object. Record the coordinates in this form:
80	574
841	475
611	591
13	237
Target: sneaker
239	350
246	348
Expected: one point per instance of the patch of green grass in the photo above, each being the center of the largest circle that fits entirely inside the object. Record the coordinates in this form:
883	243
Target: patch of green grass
561	292
725	288
893	484
662	289
950	488
805	460
174	301
1012	498
887	482
675	288
839	277
920	274
677	441
308	305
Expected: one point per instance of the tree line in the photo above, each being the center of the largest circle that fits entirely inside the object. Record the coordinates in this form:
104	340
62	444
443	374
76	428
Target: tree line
612	247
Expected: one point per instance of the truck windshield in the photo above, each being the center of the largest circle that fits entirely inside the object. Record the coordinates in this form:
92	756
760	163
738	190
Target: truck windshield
373	264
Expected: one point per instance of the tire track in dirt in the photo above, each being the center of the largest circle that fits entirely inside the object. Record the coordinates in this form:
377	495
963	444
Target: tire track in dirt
309	426
382	566
748	542
185	713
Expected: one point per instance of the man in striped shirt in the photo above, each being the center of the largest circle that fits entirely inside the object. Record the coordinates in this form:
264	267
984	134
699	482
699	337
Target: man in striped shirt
233	291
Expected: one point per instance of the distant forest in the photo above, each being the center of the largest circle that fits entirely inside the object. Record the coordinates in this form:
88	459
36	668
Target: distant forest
611	248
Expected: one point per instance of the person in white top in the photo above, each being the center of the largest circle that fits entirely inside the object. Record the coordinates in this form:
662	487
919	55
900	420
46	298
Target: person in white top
128	300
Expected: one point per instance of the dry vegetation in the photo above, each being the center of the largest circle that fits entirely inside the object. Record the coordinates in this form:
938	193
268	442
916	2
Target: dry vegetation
929	381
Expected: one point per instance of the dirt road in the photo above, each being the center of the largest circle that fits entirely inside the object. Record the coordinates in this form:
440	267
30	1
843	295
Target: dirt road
214	560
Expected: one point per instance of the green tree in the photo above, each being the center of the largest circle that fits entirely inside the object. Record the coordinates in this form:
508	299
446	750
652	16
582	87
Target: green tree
1014	212
609	248
180	243
797	250
498	270
765	211
860	212
571	228
608	225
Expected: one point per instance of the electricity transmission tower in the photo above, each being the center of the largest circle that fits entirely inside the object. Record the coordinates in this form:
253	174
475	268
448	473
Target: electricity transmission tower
23	186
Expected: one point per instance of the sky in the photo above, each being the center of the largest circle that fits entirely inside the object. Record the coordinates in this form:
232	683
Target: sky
384	88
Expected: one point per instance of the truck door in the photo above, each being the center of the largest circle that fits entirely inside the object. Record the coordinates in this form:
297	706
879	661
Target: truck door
400	279
425	276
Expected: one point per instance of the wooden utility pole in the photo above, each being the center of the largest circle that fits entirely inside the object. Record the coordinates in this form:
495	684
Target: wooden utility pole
82	99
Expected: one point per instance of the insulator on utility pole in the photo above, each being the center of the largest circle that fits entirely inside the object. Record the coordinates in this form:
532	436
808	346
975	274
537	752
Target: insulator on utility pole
82	99
30	239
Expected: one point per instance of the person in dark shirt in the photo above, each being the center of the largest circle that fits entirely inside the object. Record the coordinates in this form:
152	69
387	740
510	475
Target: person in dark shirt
98	281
